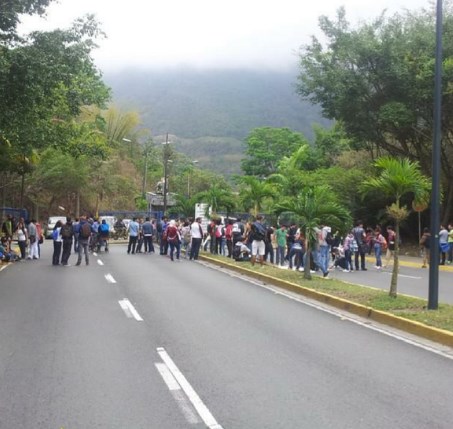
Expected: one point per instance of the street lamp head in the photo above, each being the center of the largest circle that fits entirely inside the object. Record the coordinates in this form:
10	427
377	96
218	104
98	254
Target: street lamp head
126	140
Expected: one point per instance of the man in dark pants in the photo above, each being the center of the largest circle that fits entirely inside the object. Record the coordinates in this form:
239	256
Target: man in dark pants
66	234
359	235
197	236
84	239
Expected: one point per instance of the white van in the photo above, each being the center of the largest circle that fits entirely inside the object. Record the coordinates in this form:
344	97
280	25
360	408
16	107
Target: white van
51	224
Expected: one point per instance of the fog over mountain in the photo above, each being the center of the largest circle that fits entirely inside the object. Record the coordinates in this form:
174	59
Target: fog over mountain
212	111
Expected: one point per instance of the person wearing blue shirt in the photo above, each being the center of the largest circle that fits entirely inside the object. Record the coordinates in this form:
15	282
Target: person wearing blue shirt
133	230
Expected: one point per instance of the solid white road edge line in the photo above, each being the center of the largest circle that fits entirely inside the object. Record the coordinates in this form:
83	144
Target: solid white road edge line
177	393
130	310
365	324
196	401
110	278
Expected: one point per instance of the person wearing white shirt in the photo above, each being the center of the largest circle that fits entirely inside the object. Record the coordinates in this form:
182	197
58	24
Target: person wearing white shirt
197	236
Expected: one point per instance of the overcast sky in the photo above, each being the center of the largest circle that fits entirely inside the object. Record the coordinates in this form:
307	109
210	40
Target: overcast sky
208	33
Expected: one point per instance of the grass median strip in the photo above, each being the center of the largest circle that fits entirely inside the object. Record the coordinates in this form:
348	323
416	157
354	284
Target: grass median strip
403	306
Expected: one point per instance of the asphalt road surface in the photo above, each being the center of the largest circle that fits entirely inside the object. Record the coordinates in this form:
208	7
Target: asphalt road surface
138	341
412	281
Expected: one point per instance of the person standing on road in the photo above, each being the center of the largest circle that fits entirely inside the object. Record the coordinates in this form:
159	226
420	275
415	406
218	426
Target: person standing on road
84	234
380	244
75	234
133	229
57	243
66	235
22	238
391	239
148	231
443	243
33	240
450	243
425	244
359	235
197	236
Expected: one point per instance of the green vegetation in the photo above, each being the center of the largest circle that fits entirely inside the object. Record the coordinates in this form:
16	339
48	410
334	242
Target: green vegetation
403	306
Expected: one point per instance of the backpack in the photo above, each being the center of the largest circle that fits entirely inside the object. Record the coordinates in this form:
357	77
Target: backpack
66	231
85	230
54	234
219	231
330	239
259	231
104	228
172	234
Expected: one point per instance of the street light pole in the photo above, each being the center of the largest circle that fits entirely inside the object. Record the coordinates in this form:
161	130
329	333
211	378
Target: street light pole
433	294
166	160
188	177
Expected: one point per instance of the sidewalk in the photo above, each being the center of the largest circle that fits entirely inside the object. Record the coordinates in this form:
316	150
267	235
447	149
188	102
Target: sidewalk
409	261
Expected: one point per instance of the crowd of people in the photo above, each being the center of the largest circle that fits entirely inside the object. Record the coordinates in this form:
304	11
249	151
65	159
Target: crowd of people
254	241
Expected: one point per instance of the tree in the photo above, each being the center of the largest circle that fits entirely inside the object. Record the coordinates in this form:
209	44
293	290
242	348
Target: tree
253	193
266	147
44	82
218	198
378	79
10	12
397	178
312	207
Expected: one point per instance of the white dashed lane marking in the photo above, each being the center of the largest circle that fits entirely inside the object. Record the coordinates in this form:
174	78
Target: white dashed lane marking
130	310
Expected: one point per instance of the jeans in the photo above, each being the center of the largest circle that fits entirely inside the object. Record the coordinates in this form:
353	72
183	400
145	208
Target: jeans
149	247
323	258
67	246
196	243
174	246
56	252
377	253
299	255
132	244
83	248
280	255
360	253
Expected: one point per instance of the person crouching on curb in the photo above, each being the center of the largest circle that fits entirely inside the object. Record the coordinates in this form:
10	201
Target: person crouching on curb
258	236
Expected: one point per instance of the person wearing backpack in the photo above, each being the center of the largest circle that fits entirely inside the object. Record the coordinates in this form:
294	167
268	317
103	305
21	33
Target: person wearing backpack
258	237
66	235
84	234
57	242
323	256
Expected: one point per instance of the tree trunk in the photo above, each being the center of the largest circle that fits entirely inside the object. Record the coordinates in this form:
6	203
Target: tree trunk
394	281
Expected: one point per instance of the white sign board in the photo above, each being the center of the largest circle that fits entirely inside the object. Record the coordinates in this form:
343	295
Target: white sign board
200	211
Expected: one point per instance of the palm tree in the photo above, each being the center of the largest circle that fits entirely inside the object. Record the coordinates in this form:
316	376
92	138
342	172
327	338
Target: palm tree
314	206
254	193
397	178
217	198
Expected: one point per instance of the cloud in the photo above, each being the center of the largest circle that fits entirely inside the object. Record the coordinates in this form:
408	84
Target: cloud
206	33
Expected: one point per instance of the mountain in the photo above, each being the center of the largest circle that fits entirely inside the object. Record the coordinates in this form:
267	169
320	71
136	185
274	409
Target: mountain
212	111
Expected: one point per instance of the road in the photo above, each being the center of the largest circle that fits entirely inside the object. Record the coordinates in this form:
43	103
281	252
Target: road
136	341
412	279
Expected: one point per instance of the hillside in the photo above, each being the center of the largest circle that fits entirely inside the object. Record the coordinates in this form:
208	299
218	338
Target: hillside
213	108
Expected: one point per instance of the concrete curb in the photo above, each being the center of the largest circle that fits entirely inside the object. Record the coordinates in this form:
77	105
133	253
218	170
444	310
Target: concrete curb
433	334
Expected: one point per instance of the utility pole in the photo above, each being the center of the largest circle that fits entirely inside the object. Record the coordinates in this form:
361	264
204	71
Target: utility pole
433	294
166	160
